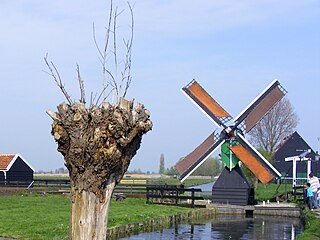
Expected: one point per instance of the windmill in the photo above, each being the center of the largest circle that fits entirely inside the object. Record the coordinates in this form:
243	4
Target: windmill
234	146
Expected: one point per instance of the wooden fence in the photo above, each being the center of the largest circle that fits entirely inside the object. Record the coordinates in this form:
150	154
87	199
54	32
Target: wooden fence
172	194
127	187
155	191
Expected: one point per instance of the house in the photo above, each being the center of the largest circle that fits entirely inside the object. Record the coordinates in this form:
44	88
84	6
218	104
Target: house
294	145
15	170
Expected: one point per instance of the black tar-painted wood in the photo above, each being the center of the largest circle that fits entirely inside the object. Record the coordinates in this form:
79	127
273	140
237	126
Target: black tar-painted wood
232	187
288	149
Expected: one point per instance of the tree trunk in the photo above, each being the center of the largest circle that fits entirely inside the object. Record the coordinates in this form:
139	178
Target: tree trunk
97	144
89	214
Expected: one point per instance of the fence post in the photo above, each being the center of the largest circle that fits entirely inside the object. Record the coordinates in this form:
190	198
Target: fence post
192	196
147	194
161	195
177	195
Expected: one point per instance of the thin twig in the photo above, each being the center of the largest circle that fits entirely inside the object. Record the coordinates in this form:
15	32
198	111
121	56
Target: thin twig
81	85
102	92
91	100
95	41
105	50
104	99
128	55
56	77
115	53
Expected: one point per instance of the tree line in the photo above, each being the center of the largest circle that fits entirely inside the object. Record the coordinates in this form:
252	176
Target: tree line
211	167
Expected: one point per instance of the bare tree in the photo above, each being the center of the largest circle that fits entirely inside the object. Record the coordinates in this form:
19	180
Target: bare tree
98	141
279	123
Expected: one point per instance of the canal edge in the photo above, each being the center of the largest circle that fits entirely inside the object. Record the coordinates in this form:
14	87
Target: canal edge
159	223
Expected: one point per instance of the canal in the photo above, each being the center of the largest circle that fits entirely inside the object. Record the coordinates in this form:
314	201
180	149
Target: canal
229	227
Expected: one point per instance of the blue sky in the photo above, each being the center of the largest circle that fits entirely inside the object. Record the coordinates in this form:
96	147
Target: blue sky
234	49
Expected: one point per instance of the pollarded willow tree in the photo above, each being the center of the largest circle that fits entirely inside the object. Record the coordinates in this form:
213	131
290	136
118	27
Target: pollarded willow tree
98	140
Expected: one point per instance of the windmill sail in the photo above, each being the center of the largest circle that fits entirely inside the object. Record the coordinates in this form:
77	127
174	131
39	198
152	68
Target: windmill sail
261	105
253	160
206	103
198	156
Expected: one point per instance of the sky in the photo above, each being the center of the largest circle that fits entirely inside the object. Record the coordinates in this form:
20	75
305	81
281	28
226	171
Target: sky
234	49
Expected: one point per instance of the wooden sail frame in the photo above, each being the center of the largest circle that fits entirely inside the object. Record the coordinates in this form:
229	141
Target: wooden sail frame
199	155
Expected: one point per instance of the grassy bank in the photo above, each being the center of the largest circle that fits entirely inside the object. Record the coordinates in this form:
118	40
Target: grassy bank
267	192
311	227
47	217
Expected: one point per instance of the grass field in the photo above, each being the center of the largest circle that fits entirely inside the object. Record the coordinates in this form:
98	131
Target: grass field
270	191
47	217
33	216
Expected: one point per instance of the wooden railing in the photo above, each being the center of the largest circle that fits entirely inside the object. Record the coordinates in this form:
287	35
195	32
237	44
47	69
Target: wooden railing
52	183
172	194
153	193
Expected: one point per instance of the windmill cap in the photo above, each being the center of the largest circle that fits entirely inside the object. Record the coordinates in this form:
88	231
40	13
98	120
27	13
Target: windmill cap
311	175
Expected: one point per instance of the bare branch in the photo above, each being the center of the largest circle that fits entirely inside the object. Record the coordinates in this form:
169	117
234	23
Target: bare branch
275	126
115	52
81	85
102	92
96	43
91	100
105	51
105	98
53	72
126	74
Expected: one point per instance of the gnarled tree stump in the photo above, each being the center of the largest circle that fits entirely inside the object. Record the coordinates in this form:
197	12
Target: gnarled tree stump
97	144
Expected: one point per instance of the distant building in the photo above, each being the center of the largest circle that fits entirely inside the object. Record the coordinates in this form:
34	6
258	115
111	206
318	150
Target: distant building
15	170
294	145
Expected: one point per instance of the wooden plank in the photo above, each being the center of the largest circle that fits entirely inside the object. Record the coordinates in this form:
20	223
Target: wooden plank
193	160
252	163
266	104
207	101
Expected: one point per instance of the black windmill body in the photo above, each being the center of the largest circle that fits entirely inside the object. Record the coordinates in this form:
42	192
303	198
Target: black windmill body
232	187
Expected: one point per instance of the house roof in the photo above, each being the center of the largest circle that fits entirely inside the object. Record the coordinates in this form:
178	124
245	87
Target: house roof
285	140
7	160
293	145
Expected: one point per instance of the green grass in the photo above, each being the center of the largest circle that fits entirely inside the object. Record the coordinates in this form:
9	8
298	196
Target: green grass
267	192
312	227
133	210
34	217
38	217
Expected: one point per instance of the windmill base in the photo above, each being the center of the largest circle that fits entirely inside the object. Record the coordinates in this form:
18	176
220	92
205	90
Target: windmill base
232	187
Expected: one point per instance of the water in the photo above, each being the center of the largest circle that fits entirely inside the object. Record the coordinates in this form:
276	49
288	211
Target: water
205	188
229	227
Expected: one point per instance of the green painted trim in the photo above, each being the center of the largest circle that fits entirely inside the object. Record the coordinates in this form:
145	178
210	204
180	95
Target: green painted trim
225	154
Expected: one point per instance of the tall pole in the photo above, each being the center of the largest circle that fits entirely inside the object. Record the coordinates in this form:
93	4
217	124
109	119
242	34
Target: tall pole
294	173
